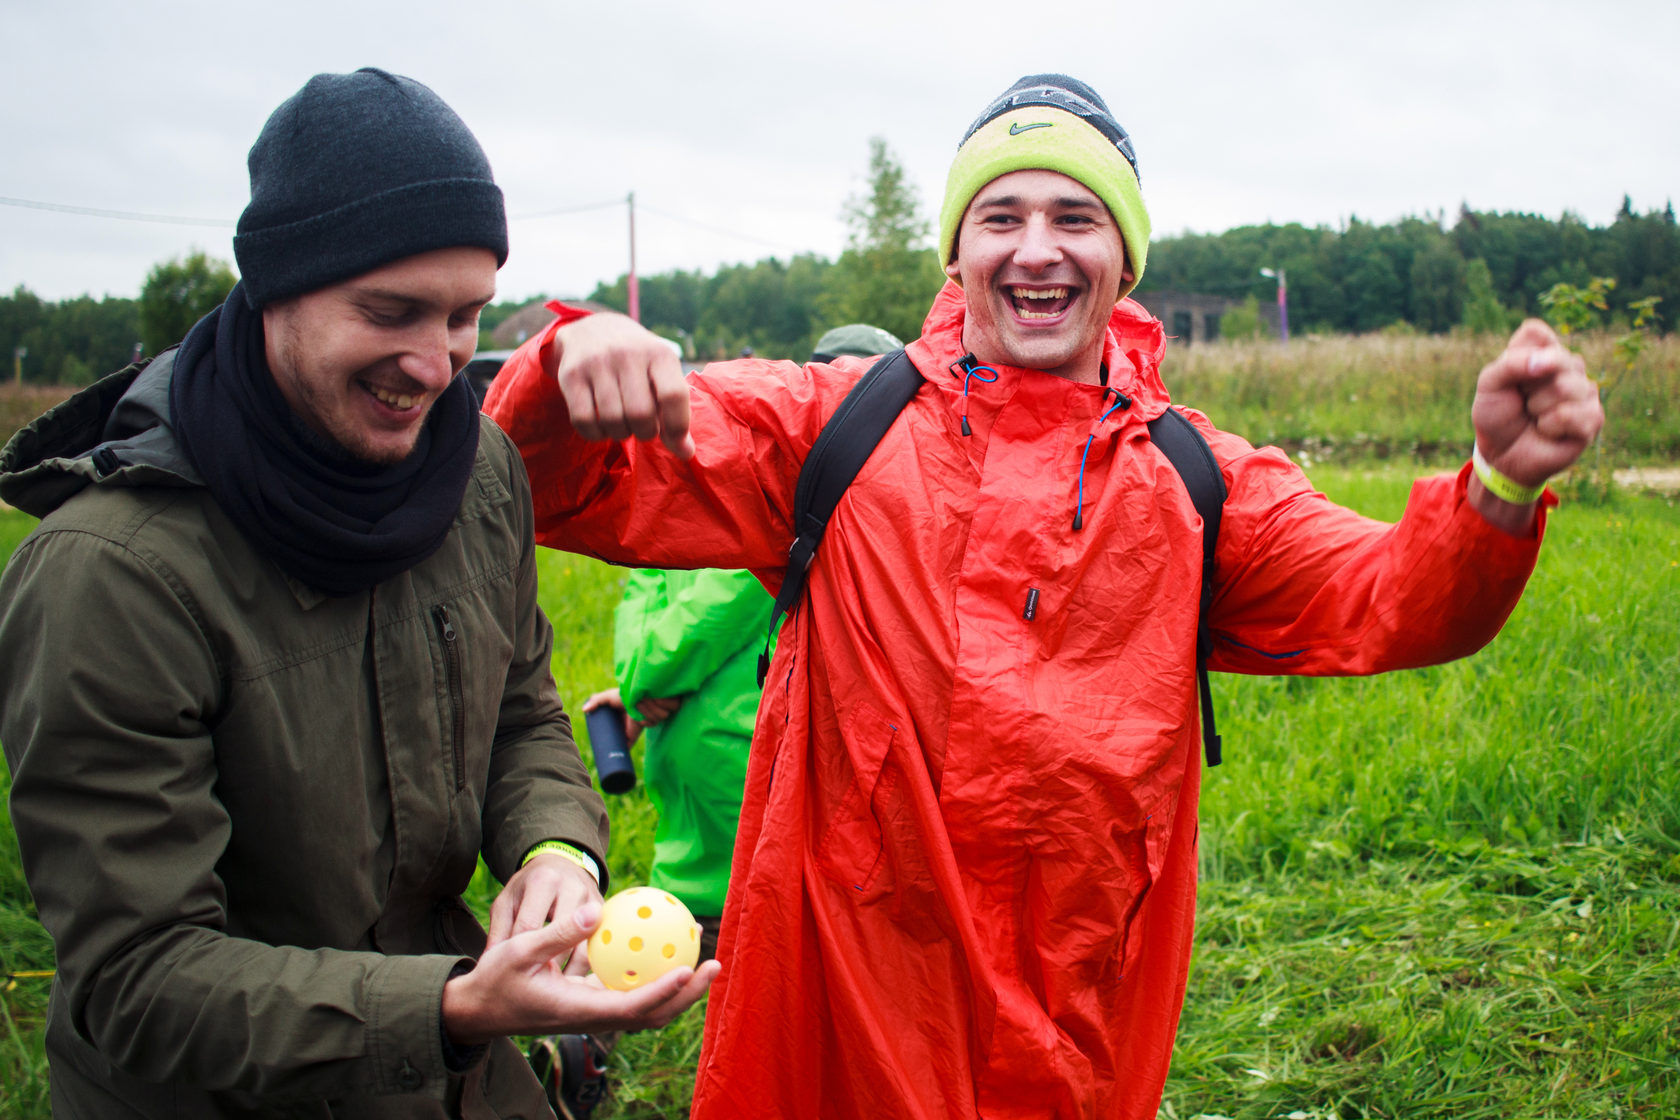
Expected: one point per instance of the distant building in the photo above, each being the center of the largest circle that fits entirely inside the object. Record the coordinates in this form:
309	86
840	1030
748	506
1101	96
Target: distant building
531	319
1194	317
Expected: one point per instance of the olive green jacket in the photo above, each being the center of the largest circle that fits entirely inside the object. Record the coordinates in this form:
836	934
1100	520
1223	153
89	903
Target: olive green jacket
247	810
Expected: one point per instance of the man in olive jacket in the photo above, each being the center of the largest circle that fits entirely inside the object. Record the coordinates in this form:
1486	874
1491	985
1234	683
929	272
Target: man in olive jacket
273	674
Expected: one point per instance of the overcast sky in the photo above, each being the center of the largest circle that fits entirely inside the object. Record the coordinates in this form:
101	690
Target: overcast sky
742	126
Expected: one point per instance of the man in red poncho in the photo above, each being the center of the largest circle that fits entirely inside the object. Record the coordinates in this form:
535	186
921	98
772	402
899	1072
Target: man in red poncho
964	883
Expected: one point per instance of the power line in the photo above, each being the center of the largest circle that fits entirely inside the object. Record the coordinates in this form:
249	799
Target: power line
679	219
120	215
223	223
559	210
720	230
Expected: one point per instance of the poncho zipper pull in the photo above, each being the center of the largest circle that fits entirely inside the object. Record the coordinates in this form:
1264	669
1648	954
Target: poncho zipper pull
970	368
1122	402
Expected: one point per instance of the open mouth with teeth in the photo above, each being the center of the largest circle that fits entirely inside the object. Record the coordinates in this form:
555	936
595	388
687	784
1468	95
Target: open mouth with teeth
1039	303
402	402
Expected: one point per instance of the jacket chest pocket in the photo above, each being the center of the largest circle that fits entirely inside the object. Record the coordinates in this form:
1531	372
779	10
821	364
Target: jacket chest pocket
453	696
471	649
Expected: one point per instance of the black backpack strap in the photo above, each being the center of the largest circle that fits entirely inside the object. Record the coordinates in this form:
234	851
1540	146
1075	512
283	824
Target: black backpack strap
1190	455
842	447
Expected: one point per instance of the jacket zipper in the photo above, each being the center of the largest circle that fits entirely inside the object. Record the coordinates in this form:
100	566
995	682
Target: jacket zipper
1122	402
457	704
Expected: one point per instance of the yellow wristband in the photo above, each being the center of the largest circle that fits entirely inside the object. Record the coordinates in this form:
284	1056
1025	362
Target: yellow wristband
567	852
1505	489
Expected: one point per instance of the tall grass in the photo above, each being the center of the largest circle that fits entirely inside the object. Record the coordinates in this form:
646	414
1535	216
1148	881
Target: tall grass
24	948
19	404
1354	398
1455	891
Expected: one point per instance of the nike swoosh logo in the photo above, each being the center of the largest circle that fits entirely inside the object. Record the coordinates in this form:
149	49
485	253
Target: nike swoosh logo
1016	127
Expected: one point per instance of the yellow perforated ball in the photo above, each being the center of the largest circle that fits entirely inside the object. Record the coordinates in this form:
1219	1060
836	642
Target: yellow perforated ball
644	933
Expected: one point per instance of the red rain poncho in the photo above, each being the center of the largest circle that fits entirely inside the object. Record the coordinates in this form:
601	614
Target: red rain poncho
965	878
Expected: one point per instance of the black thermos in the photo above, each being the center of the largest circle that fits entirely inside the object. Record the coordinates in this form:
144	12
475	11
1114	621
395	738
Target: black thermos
612	750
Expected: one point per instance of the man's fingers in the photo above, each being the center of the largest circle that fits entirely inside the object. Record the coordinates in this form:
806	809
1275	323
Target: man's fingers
658	709
641	412
659	1001
1567	388
539	946
683	447
1556	361
535	907
670	390
501	919
609	405
1534	334
1573	421
579	394
684	996
607	697
690	991
1524	367
628	393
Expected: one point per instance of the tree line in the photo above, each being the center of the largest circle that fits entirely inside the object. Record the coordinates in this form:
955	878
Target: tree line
1483	272
76	341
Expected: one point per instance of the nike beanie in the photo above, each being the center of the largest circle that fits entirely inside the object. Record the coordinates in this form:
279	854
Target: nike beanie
1050	122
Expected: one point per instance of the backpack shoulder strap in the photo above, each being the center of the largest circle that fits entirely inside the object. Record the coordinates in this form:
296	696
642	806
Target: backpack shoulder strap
842	447
1188	451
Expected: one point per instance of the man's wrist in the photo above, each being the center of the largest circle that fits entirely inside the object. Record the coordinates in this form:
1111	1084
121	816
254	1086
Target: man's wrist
1501	486
569	852
457	1057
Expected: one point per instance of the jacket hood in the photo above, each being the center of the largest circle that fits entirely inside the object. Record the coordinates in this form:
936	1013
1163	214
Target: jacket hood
116	432
1132	349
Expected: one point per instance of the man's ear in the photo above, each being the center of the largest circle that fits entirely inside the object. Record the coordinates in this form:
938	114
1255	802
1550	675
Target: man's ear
951	269
1126	273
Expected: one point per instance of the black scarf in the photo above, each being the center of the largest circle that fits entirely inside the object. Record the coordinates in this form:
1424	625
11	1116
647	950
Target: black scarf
338	524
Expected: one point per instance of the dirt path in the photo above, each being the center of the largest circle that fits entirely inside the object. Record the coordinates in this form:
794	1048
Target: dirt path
1664	480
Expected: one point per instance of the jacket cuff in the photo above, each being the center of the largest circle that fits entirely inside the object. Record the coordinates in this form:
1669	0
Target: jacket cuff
405	1025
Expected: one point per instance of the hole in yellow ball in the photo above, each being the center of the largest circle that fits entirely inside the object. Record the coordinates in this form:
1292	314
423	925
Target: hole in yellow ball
606	937
644	912
671	900
635	944
629	973
669	951
693	931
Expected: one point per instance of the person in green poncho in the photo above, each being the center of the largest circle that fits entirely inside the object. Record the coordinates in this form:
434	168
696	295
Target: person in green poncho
685	652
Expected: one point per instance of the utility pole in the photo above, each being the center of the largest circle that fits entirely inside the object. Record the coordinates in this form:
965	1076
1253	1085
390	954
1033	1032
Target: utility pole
635	295
1283	298
19	353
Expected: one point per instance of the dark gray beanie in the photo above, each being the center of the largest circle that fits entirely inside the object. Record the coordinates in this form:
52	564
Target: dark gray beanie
355	171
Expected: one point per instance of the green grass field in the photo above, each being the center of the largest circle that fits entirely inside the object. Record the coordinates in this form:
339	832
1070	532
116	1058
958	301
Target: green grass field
1450	892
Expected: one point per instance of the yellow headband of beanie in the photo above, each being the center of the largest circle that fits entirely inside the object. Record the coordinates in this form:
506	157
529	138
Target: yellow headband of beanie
1041	137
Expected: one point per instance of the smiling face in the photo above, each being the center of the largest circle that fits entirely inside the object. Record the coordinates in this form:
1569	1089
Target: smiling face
363	361
1041	262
